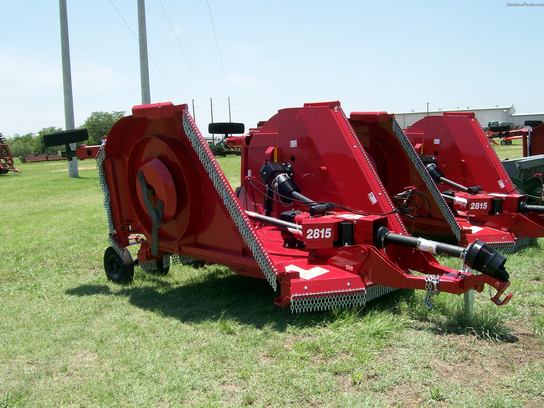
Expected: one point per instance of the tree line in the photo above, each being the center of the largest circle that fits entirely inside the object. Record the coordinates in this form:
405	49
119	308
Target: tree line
98	125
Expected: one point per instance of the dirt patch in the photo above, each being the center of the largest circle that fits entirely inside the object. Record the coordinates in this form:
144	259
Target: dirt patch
82	360
408	371
405	395
231	392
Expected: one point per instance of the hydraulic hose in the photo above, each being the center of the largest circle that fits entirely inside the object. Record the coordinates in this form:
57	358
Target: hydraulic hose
278	178
314	208
438	177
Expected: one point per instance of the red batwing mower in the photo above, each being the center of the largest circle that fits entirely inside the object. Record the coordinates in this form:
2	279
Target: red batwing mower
470	176
165	192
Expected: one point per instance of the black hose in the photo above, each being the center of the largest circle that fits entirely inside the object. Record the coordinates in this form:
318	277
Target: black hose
438	177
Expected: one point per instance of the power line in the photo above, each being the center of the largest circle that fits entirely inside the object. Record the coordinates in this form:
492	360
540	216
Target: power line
217	44
136	38
179	43
124	21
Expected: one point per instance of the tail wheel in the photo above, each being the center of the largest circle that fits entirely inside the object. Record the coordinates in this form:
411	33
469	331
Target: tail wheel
119	268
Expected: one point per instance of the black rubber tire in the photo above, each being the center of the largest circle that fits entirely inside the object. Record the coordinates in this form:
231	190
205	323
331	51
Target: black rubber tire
4	171
226	128
503	142
118	268
508	142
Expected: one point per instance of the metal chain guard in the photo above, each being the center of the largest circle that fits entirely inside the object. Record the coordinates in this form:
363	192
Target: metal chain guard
420	167
229	200
337	299
107	204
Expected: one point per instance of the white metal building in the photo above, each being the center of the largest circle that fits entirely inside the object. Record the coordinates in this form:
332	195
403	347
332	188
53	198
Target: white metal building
484	115
520	118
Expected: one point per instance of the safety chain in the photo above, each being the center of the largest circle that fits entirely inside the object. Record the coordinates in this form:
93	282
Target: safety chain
431	285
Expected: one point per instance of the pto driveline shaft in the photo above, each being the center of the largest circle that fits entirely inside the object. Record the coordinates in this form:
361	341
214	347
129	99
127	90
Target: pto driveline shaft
477	255
425	245
525	208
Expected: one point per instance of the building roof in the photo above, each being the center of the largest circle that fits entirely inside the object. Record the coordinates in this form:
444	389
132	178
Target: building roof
467	109
528	114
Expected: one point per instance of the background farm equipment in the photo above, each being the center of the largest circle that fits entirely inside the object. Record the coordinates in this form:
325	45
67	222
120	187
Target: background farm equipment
37	158
7	163
68	139
533	143
291	222
504	132
87	152
527	172
470	176
426	208
227	129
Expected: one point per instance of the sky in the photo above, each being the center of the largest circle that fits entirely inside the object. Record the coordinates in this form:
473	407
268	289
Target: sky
371	55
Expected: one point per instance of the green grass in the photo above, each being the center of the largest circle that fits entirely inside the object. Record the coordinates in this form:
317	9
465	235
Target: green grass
207	337
512	151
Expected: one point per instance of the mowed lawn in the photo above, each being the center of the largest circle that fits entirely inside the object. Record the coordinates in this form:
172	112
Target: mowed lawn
207	337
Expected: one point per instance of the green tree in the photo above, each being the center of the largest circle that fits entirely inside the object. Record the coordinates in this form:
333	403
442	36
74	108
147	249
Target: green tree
100	123
21	145
30	143
45	131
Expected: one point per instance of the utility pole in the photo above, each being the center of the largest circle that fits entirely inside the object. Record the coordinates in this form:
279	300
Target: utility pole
230	119
67	83
144	65
193	104
427	108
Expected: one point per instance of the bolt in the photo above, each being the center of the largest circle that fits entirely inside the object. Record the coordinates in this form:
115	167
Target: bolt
305	287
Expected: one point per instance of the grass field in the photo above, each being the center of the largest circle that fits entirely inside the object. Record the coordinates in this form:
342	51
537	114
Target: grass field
206	337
